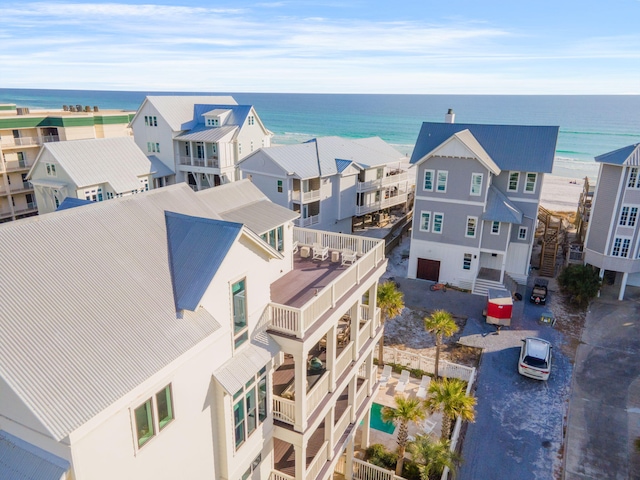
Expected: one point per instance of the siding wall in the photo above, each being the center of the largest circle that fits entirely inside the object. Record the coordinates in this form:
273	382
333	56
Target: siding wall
605	208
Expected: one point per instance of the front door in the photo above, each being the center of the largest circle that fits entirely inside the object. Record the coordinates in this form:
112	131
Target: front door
428	269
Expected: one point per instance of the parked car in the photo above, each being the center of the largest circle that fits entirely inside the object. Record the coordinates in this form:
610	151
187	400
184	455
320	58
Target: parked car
535	358
539	294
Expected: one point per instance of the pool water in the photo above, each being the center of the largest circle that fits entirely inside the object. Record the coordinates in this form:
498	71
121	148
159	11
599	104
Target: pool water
376	420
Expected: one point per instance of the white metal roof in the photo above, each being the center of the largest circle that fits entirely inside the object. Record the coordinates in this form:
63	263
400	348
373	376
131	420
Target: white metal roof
178	109
208	134
117	161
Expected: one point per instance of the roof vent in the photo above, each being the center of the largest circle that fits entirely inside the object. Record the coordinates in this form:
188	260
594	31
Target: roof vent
450	116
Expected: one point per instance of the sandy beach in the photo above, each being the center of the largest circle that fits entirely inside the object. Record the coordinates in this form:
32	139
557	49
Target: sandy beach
559	194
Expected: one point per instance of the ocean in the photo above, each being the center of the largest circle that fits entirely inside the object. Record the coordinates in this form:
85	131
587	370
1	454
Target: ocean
590	125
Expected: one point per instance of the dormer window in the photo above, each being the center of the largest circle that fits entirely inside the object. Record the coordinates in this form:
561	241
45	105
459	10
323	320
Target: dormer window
213	122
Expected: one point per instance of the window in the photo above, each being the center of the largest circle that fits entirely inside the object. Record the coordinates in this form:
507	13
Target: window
522	233
158	408
495	228
514	179
471	227
213	122
150	121
239	149
442	181
252	468
275	238
425	221
628	216
379	173
621	247
144	184
530	184
51	169
438	220
476	183
251	120
250	407
240	330
466	263
634	179
428	180
280	188
377	196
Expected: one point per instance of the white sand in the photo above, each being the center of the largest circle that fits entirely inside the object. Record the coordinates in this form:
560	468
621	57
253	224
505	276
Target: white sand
559	194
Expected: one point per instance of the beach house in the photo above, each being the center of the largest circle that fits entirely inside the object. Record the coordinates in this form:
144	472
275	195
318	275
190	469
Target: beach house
23	131
199	138
94	170
174	334
477	197
331	181
613	237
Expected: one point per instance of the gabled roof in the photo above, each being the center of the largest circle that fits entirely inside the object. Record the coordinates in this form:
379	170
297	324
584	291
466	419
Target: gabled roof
178	109
342	165
72	202
158	168
511	147
237	113
20	460
208	134
117	161
628	156
500	208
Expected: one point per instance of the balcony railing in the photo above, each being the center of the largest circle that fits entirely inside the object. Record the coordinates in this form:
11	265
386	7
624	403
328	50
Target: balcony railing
296	321
307	222
318	462
383	182
305	197
379	205
343	423
276	475
344	360
28	141
284	409
21	187
5	213
17	165
31	206
209	162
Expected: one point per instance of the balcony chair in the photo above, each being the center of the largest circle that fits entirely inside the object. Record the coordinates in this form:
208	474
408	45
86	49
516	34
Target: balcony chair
319	252
402	382
349	257
422	389
386	375
295	247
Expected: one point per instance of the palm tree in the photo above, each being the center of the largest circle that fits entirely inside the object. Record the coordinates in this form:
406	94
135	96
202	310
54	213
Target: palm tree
390	300
407	410
448	396
434	455
441	324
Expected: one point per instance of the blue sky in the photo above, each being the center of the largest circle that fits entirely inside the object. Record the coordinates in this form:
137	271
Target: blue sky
334	46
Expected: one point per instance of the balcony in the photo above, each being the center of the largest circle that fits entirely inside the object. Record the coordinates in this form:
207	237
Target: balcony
305	197
307	222
8	142
21	187
30	207
389	180
379	205
17	165
301	297
208	162
5	213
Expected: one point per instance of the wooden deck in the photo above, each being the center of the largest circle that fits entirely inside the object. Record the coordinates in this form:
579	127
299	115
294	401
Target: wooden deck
284	374
284	457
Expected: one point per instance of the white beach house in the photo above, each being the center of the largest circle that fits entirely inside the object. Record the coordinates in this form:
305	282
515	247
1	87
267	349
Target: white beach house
199	138
174	334
477	198
330	181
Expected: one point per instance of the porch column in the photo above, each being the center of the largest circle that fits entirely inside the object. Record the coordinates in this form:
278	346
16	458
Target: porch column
331	357
366	430
354	314
300	392
191	152
373	303
329	431
353	388
301	460
623	286
348	464
370	373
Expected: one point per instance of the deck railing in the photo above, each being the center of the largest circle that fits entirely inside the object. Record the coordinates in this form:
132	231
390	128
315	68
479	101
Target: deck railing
318	393
361	394
308	221
369	471
303	197
318	462
284	409
384	181
276	475
364	333
296	321
427	364
379	205
343	423
28	141
344	360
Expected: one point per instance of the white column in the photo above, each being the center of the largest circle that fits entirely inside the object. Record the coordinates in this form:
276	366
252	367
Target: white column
331	357
623	286
300	380
366	429
348	467
301	460
353	387
373	303
329	431
370	372
354	314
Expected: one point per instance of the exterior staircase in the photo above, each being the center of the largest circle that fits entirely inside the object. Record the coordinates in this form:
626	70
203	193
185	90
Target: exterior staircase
483	285
550	242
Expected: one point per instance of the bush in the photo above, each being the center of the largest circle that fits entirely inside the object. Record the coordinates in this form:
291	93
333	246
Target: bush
580	282
378	455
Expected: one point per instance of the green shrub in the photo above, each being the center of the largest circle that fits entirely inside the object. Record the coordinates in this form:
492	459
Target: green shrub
378	455
580	282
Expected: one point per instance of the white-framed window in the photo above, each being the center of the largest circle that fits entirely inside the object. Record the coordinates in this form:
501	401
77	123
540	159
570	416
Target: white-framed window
466	262
621	247
153	415
514	180
522	233
425	221
252	468
628	216
495	228
438	222
249	407
634	178
251	120
275	238
476	184
441	186
379	173
280	186
150	120
239	309
144	184
530	183
94	195
428	180
213	122
472	222
51	169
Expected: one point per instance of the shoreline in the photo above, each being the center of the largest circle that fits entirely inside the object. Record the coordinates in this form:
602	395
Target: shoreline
561	194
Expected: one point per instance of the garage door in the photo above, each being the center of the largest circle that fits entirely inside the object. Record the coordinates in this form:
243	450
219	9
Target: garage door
428	269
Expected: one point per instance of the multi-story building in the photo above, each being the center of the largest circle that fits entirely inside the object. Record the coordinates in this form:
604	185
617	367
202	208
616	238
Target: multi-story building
613	236
23	132
175	334
477	197
331	180
95	170
200	138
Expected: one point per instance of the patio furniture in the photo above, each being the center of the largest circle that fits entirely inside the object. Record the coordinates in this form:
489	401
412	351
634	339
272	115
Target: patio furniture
295	247
422	389
402	381
428	426
344	334
349	257
305	252
320	252
386	375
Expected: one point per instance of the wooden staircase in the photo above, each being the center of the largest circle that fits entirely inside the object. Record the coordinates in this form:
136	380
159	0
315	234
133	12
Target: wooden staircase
550	242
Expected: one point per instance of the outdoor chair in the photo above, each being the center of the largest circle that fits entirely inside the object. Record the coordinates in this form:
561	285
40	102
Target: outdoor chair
320	252
386	375
402	381
295	247
349	257
428	426
422	389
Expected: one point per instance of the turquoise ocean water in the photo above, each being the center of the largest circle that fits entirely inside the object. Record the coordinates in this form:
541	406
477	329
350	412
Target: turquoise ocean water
590	125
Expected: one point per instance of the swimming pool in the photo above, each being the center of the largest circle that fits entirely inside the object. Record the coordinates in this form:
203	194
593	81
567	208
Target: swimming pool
376	420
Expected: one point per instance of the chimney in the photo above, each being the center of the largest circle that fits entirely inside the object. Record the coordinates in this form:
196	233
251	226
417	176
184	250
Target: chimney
450	116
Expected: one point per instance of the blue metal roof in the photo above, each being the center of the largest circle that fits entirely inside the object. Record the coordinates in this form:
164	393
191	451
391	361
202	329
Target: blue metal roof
341	165
617	157
197	247
512	147
71	202
20	460
500	208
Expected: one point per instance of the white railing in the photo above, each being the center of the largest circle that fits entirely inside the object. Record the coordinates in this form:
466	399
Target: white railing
275	475
384	181
209	162
318	393
361	394
369	471
344	360
343	423
284	409
318	462
364	314
427	364
364	333
5	213
17	165
306	222
379	205
296	321
28	141
303	197
341	466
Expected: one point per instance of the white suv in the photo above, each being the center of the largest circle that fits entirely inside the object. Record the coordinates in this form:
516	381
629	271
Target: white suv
535	358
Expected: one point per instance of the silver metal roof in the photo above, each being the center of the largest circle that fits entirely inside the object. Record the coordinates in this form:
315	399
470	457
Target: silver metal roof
158	168
117	161
208	134
20	460
179	109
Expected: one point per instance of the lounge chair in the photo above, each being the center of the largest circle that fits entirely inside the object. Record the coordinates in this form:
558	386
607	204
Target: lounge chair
386	375
402	381
320	252
422	389
428	426
349	257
